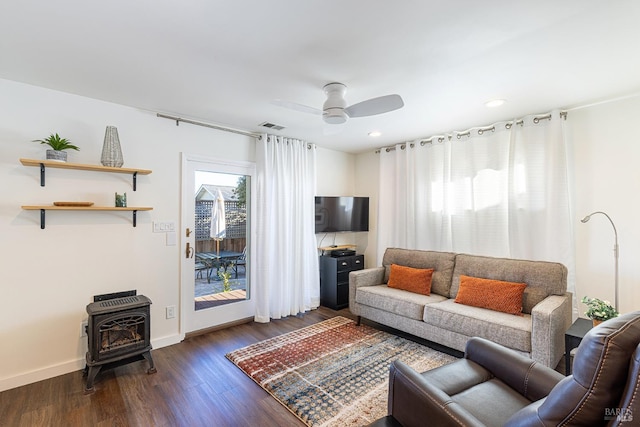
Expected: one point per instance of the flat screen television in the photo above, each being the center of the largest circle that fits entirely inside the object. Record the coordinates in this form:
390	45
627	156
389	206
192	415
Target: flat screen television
341	214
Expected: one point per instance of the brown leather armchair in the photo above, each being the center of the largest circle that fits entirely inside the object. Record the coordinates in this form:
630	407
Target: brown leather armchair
494	386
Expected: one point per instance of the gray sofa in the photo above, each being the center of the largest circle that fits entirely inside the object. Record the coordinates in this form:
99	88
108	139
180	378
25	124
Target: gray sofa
538	334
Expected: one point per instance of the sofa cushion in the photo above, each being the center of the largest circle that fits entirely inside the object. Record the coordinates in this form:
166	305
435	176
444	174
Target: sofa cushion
417	280
441	262
494	295
542	278
397	301
506	329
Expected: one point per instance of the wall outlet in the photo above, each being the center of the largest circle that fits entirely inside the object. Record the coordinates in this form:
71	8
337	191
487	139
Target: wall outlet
171	311
83	328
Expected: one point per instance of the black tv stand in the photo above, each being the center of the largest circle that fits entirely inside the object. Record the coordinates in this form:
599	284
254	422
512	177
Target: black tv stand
334	279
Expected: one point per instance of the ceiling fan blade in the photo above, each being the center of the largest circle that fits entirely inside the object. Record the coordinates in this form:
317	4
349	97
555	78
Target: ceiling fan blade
371	107
297	107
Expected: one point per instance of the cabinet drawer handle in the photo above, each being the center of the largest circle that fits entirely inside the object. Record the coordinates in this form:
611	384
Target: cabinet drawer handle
357	261
344	263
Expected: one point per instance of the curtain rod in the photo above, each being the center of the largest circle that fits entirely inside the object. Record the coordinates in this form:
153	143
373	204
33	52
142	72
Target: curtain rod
479	129
207	125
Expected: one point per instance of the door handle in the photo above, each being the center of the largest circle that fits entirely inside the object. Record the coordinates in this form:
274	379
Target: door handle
189	251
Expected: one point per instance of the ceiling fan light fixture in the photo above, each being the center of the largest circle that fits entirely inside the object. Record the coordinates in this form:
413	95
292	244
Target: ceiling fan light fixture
334	116
335	111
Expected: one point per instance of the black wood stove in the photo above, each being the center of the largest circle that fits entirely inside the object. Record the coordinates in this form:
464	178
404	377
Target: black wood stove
118	330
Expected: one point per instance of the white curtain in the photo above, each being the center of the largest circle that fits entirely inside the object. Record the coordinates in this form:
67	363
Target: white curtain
500	191
286	259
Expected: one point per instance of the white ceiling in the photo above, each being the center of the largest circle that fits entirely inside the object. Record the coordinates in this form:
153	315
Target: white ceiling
225	62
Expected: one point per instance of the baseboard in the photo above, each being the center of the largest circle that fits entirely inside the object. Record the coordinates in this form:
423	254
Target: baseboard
41	374
218	327
167	341
70	366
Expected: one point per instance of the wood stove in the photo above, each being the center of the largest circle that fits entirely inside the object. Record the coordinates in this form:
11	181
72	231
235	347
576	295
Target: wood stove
118	331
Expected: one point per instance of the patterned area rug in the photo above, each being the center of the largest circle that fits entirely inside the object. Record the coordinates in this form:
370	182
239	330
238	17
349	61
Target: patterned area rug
333	373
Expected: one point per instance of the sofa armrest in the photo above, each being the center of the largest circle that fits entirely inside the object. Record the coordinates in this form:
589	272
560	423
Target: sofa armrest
367	277
414	402
550	319
528	377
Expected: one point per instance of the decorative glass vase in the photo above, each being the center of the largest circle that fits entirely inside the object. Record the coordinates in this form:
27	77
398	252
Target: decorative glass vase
111	152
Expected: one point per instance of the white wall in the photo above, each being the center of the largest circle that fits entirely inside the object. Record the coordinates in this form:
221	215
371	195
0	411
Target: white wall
606	150
335	177
605	147
49	276
367	183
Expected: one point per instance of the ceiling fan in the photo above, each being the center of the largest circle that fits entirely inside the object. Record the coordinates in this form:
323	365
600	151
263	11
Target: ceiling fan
335	111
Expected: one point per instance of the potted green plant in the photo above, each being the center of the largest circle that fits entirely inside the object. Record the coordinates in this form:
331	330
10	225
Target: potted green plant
58	145
225	275
599	310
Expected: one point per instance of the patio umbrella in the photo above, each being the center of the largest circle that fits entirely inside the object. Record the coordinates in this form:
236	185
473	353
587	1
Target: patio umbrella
218	221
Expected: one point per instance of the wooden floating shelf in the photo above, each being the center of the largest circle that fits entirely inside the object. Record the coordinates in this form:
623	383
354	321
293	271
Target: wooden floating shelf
43	208
80	166
85	208
43	164
335	248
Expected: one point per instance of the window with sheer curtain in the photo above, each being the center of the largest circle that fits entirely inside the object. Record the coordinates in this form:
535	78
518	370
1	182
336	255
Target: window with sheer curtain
497	191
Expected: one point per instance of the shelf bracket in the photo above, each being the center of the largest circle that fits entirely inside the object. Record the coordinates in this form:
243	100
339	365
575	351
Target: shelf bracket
42	175
42	219
135	179
135	216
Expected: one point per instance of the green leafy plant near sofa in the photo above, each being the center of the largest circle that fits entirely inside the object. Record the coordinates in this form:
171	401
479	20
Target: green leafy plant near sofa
598	309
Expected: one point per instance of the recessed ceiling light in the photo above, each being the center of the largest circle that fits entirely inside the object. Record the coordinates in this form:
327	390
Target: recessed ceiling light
494	103
375	133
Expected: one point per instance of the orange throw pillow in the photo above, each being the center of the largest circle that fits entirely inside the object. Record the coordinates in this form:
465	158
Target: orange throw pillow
492	294
417	280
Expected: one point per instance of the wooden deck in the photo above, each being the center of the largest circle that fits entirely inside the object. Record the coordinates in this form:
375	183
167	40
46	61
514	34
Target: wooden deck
221	298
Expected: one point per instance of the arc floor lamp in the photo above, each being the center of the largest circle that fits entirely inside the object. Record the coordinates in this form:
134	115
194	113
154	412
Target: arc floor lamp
615	248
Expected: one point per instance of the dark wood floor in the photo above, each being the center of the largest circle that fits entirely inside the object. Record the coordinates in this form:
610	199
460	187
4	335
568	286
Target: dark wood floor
195	386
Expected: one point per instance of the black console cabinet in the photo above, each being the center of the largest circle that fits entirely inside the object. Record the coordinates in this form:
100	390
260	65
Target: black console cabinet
334	279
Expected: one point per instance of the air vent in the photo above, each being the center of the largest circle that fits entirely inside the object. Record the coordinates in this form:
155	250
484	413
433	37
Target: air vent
119	301
271	126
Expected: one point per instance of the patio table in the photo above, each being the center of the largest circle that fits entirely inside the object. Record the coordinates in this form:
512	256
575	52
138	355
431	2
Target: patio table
218	259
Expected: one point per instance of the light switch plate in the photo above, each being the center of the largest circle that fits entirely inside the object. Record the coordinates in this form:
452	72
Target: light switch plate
163	226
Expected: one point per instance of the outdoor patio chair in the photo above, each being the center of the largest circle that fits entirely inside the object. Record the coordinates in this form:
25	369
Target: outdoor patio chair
199	267
242	261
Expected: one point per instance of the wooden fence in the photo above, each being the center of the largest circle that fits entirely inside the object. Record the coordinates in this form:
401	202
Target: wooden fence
236	217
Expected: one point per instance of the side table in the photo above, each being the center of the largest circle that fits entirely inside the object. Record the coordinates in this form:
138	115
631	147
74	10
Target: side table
572	339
